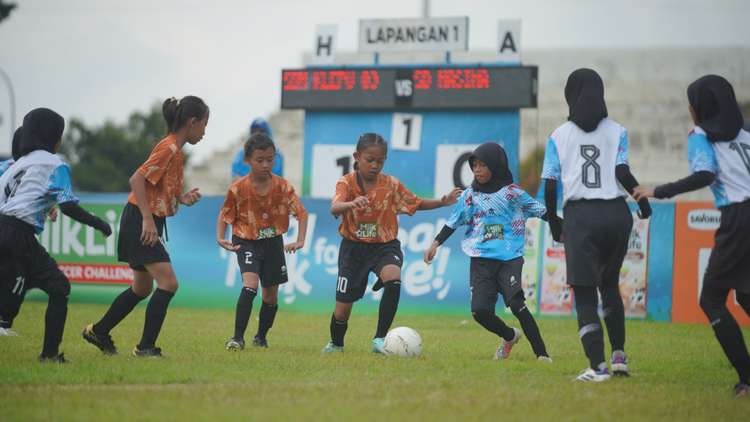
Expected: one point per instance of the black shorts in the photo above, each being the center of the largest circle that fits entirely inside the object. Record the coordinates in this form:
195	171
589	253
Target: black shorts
357	259
24	265
729	264
596	234
488	277
264	257
130	249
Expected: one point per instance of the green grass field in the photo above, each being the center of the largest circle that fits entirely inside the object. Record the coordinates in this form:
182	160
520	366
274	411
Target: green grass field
679	373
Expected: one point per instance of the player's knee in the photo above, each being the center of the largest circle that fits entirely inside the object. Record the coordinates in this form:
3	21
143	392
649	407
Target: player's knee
169	285
59	293
59	288
482	315
517	303
713	308
270	297
142	291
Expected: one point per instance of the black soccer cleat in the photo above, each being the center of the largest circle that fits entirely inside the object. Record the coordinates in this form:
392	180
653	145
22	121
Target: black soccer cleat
260	342
102	341
59	358
148	352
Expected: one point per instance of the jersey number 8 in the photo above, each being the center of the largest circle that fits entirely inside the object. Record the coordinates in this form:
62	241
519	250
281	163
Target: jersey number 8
590	171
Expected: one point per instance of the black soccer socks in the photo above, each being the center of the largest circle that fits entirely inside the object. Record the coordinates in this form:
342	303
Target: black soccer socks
614	316
338	331
156	311
494	324
242	314
531	330
266	317
388	307
120	308
54	324
589	326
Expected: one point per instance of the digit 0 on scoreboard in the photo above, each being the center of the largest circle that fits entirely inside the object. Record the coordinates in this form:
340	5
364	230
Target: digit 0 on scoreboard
425	88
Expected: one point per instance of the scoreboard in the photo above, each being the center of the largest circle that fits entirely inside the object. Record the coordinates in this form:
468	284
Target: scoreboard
433	116
405	88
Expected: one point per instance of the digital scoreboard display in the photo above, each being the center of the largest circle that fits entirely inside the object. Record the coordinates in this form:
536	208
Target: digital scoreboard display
428	88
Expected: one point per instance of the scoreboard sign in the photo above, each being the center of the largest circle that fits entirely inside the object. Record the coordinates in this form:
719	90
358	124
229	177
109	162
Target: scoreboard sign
405	88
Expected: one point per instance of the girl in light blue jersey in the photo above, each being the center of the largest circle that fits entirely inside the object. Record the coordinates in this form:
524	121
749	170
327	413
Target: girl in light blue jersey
28	190
719	156
494	212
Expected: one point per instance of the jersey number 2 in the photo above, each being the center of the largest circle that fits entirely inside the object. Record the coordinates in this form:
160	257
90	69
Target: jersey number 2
591	176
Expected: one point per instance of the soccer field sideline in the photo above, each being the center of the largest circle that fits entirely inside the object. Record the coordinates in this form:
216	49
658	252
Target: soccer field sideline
678	372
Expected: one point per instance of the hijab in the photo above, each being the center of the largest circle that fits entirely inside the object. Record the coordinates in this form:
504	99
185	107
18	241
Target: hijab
584	93
712	98
42	129
493	155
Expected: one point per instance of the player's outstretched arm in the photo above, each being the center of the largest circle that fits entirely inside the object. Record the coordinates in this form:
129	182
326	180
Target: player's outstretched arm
695	181
448	199
74	211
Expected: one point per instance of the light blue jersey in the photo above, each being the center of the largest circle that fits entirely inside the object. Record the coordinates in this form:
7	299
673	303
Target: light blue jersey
32	185
728	161
495	222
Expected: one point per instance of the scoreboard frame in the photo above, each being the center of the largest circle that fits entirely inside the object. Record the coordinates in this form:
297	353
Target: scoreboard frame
432	87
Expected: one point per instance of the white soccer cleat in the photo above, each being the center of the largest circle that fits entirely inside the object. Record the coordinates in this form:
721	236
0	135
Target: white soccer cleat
7	332
589	375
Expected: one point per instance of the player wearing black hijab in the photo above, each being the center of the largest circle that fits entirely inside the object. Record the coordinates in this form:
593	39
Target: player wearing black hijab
494	211
589	156
719	156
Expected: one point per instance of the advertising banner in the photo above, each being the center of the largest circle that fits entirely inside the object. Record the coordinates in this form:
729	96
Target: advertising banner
557	296
209	275
695	225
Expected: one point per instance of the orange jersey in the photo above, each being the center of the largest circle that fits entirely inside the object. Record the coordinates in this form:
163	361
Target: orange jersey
254	216
377	223
163	172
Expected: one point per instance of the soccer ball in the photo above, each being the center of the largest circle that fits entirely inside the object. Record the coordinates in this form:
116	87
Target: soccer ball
403	341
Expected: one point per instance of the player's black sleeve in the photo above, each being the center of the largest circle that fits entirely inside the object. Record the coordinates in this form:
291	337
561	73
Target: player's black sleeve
628	181
74	211
444	234
550	202
695	181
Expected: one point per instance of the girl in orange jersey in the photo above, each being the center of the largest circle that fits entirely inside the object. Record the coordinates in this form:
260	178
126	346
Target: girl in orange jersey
258	207
156	194
369	203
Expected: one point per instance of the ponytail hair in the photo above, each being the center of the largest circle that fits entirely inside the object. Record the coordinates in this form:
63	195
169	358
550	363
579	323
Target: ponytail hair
178	112
370	139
